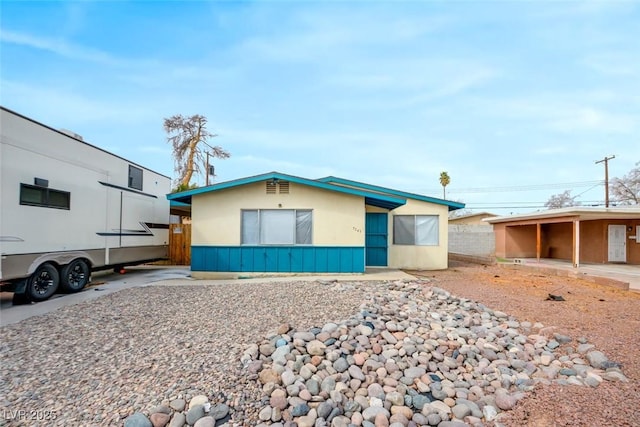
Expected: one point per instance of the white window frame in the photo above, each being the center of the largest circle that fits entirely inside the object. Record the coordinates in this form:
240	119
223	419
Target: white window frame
261	232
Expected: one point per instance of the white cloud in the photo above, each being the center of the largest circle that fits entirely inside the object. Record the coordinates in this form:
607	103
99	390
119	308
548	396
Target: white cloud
58	46
591	119
549	150
568	112
614	63
155	149
318	33
60	105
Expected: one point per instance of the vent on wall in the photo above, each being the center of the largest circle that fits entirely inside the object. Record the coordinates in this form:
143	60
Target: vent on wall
282	187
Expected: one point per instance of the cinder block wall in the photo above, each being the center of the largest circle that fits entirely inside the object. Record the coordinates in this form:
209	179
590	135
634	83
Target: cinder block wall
477	240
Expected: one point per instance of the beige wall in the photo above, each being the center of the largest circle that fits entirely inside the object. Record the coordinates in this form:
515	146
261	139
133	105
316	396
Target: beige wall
338	219
420	257
472	219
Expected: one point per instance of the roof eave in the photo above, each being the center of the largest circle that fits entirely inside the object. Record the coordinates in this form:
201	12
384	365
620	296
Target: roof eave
186	196
452	206
580	213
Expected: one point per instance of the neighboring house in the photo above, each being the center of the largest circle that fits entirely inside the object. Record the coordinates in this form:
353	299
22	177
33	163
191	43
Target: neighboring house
576	234
282	223
471	219
471	238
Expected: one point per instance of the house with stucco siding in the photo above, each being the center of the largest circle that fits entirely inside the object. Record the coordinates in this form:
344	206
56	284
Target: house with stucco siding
577	234
277	223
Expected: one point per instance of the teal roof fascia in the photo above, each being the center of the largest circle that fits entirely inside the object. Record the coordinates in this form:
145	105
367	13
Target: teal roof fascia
452	205
376	199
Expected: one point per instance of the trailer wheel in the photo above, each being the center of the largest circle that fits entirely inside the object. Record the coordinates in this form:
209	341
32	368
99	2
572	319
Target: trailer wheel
75	276
42	283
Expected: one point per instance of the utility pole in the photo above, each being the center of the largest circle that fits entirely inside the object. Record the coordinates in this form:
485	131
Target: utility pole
207	170
606	178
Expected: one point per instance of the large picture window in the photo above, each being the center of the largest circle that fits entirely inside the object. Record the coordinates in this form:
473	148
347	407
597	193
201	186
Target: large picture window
33	195
420	230
276	227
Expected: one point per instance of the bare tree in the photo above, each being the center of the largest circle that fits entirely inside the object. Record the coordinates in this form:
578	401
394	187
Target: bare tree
460	212
186	135
561	200
626	190
444	181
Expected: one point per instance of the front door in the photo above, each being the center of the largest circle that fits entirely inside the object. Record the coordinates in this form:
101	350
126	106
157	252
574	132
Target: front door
617	243
376	239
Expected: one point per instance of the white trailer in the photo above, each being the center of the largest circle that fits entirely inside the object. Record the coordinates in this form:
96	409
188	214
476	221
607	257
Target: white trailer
68	207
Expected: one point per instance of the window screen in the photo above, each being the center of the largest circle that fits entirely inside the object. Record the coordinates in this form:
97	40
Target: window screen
250	228
420	230
276	227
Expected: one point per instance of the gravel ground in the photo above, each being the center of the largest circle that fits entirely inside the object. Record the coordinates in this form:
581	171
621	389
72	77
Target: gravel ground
607	317
97	362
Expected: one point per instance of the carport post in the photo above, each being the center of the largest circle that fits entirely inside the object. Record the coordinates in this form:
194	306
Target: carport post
576	243
538	243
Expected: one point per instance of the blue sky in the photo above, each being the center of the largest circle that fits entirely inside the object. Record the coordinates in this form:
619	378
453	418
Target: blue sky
515	100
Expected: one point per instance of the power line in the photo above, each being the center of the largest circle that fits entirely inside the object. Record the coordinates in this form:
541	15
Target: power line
527	187
536	203
530	206
516	188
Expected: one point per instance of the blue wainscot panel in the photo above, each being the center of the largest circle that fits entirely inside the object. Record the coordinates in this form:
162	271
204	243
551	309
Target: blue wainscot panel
278	259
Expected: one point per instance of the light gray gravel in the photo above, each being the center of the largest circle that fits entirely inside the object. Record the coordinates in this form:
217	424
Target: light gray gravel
97	362
142	351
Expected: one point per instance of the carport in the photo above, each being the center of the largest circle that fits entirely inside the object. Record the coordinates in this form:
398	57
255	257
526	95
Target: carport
591	235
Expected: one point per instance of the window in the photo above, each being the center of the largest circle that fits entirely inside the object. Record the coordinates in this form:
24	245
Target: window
420	230
276	227
32	195
135	178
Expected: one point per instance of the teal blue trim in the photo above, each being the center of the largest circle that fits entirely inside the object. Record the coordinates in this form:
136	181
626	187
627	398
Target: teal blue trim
376	239
376	199
176	204
278	259
369	187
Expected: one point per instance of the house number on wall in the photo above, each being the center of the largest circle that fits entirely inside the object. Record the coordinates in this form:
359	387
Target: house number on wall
357	230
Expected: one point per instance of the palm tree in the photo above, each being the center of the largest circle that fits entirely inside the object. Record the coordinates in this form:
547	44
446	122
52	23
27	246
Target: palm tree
444	181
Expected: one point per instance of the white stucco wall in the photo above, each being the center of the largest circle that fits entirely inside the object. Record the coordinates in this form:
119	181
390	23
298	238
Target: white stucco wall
338	219
420	257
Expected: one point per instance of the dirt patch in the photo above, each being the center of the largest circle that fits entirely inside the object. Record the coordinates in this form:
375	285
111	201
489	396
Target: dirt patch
606	316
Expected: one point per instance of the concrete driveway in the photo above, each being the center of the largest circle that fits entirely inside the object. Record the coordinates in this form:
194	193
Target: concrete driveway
102	283
624	274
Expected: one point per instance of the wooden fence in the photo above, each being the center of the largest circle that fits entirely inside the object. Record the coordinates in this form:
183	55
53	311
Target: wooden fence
180	244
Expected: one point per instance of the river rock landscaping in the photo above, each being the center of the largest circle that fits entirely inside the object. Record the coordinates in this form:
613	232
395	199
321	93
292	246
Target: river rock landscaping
325	353
413	355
